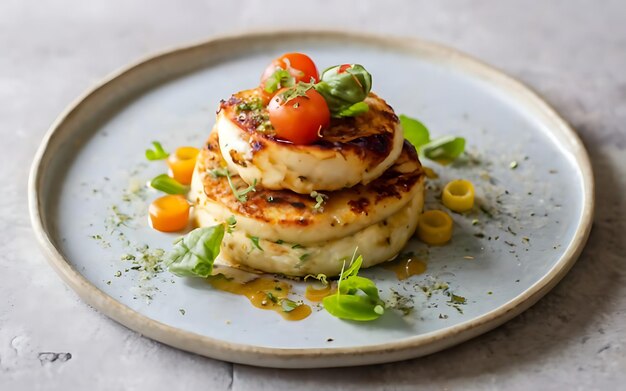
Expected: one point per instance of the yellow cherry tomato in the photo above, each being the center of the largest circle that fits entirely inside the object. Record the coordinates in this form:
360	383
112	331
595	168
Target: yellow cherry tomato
434	227
169	213
182	163
458	195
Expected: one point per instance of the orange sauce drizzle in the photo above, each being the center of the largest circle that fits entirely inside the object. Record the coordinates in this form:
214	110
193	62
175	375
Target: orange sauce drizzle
406	267
264	293
317	295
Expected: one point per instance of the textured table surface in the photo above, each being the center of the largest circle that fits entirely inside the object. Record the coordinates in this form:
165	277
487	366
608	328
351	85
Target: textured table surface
572	52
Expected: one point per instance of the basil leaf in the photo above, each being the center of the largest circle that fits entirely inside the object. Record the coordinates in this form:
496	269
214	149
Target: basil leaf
445	149
158	153
279	79
343	87
168	185
414	131
354	110
193	254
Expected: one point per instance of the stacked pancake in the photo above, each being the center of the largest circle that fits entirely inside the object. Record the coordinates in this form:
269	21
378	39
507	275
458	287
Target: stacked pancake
308	207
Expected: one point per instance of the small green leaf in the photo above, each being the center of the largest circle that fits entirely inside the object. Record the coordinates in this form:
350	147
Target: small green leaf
231	224
320	277
288	305
354	110
457	299
158	153
444	149
345	89
279	79
351	307
357	297
255	242
168	185
414	131
193	254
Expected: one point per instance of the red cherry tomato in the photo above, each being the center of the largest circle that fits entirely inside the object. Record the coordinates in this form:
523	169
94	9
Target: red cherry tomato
300	119
299	65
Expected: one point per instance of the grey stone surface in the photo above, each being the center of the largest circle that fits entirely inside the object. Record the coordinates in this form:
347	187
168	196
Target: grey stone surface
572	52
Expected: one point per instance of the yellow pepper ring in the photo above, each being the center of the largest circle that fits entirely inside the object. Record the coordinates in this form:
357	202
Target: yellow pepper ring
458	195
182	163
434	227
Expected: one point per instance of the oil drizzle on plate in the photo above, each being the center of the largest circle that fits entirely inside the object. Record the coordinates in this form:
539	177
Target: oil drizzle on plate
264	293
406	267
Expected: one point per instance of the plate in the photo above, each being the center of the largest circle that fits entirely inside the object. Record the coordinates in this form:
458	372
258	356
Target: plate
88	201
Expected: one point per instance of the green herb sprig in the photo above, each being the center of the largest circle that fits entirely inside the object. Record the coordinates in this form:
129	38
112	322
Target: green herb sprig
168	185
357	297
158	153
442	150
279	79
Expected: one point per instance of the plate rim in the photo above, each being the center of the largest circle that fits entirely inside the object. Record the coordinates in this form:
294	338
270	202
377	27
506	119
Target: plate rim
405	348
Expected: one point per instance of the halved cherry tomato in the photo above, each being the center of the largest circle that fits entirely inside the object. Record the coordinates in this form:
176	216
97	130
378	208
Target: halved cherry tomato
300	119
169	213
182	163
299	65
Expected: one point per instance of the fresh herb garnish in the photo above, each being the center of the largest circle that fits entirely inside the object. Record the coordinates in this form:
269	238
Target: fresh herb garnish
158	153
442	150
168	185
320	199
193	254
345	87
231	224
320	277
255	242
289	305
279	79
240	195
414	131
357	297
299	90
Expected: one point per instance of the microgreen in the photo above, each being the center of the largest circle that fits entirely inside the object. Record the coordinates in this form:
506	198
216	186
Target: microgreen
279	79
357	297
158	153
414	131
320	277
168	185
298	90
255	242
442	150
231	224
320	199
289	305
240	195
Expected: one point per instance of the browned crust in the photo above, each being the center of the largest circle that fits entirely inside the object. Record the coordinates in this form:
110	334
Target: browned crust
368	136
287	208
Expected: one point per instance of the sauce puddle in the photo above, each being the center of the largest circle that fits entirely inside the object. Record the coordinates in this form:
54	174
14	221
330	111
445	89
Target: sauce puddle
264	293
406	267
317	295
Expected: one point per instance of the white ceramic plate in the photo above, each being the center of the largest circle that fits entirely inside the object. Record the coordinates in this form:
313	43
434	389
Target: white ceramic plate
92	160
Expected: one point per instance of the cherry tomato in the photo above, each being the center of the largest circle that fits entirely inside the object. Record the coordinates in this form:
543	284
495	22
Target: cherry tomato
299	65
169	213
300	119
182	163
